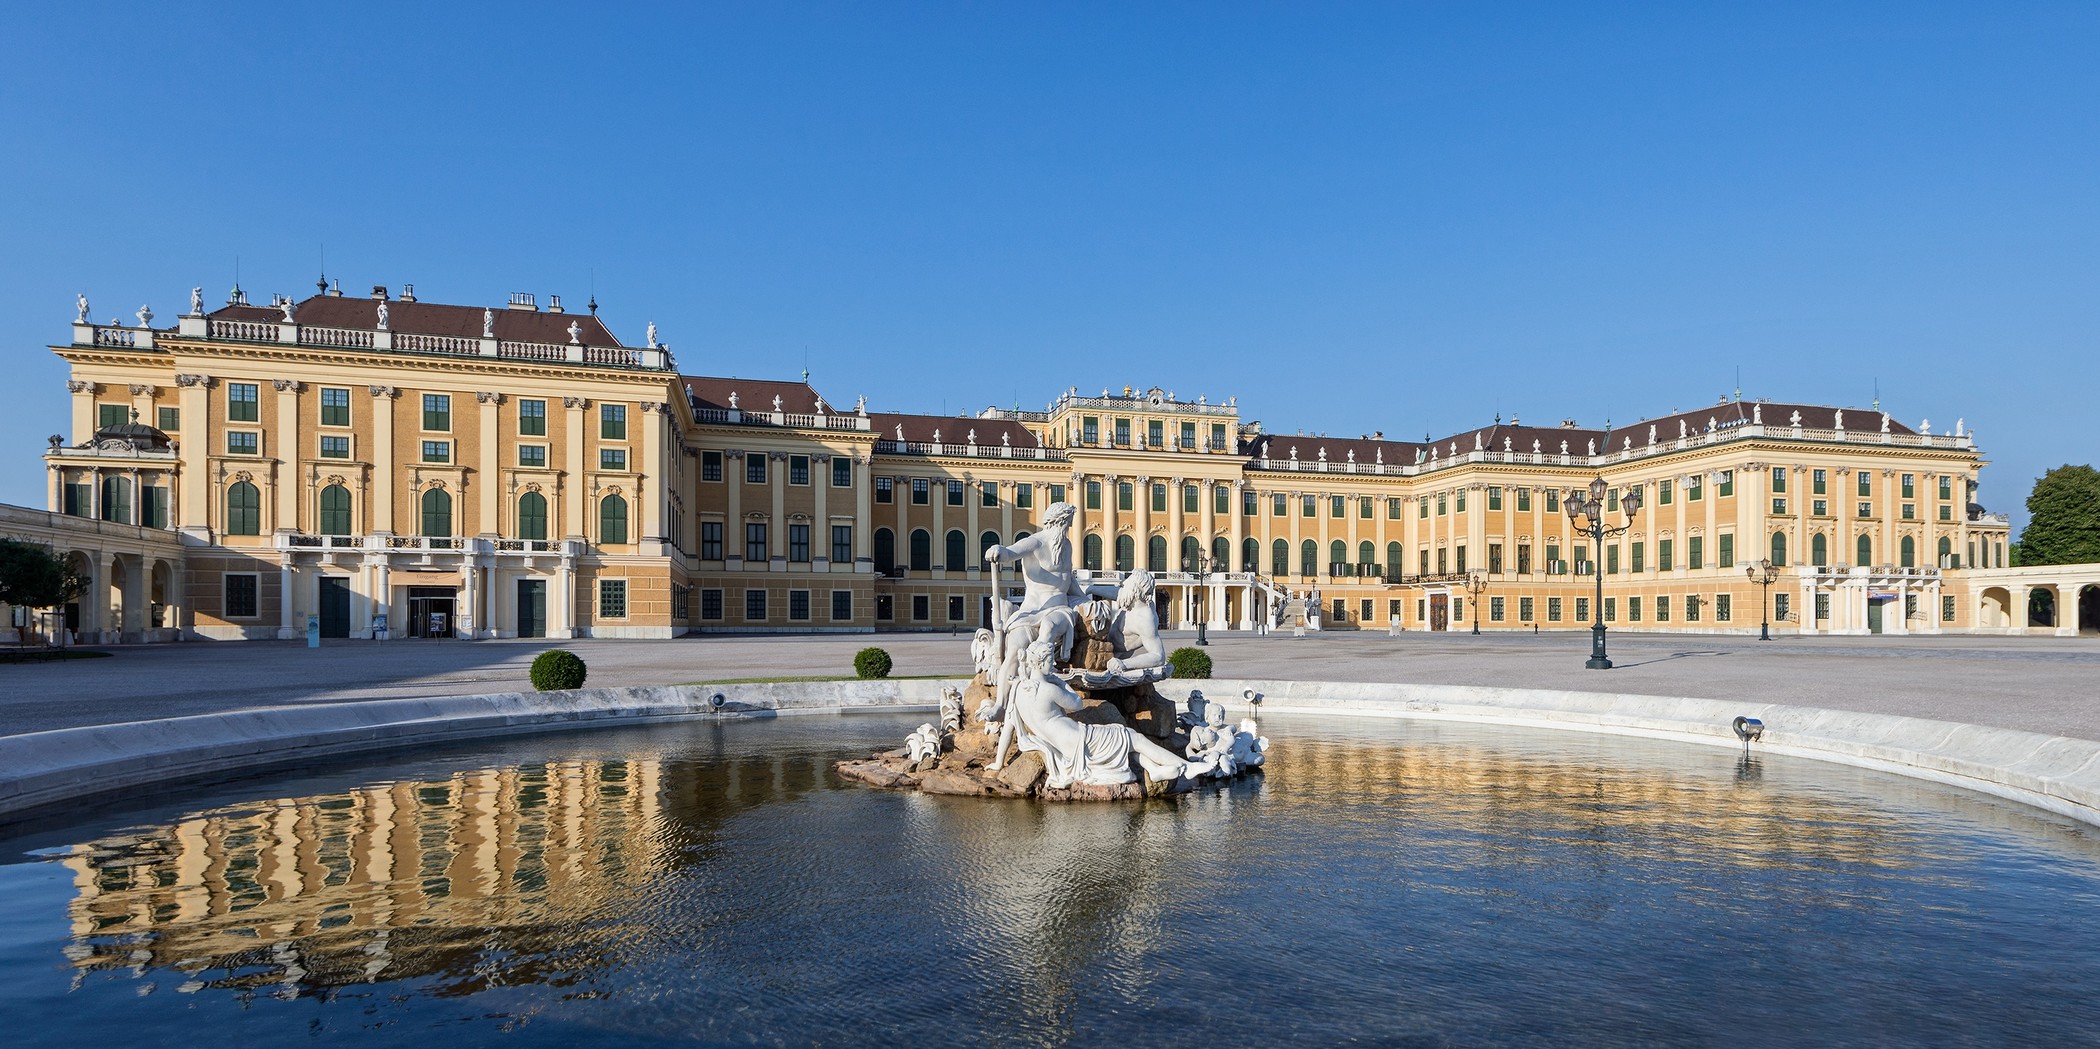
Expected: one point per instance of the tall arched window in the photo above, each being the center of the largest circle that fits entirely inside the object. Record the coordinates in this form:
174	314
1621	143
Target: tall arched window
1156	554
116	499
1280	557
1091	553
1337	554
885	551
1910	553
1309	558
921	550
1220	553
984	543
1250	554
437	512
1946	551
612	520
1126	553
1392	560
1818	550
1191	549
1865	549
243	509
1366	554
532	516
1779	548
335	510
955	550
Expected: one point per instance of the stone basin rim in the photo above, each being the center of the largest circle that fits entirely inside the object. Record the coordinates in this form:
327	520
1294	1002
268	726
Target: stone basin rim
46	769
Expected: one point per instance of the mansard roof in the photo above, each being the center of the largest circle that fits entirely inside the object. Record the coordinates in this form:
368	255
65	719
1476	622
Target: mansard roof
953	429
1367	450
756	395
432	318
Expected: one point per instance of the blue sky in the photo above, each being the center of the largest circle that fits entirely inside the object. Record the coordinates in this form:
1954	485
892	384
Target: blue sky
1352	217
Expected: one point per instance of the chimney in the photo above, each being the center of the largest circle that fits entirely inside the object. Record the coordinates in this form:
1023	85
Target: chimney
554	304
523	300
379	292
335	290
408	293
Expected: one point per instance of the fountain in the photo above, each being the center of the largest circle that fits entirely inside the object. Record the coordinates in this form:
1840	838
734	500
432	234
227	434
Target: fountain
1067	677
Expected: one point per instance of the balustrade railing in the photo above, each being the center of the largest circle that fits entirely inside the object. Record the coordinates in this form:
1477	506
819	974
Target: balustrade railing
345	338
419	343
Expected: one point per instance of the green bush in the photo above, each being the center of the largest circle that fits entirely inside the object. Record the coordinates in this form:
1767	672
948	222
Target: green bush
555	670
1189	662
872	663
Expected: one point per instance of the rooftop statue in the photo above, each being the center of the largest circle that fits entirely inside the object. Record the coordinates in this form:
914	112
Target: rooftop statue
196	302
382	315
575	332
651	335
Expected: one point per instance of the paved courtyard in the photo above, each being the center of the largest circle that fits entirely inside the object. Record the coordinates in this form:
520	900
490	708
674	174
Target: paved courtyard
2047	685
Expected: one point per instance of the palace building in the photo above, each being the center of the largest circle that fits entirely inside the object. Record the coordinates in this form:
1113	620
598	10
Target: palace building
384	464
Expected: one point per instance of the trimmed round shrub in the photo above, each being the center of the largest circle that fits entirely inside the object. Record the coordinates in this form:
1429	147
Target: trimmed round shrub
556	670
872	663
1189	662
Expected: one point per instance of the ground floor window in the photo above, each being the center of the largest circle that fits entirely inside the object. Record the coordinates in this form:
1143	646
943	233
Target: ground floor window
1722	610
1458	609
885	607
1691	608
1662	608
1946	610
955	608
1524	609
1782	606
1910	606
1392	609
681	602
1611	609
710	604
1822	606
1366	610
921	608
1582	610
1633	610
754	605
798	605
243	596
1495	609
1553	610
612	598
842	604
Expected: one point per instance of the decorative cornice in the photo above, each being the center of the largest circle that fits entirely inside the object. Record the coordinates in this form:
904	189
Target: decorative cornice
288	385
187	380
385	393
79	386
576	402
144	389
488	397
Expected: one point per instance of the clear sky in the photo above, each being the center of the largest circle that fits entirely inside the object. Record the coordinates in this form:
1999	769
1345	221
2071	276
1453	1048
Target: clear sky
1398	217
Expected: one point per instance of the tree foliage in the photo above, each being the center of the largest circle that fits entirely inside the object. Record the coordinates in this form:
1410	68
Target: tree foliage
34	577
558	670
2063	526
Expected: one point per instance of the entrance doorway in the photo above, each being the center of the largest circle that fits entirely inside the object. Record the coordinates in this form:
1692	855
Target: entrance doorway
1439	611
335	606
1874	606
532	608
430	611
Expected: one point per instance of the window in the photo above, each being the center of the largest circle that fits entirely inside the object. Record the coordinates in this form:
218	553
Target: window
1782	606
1639	549
614	459
1946	609
612	520
108	415
1727	486
1582	610
1126	553
1188	435
1278	504
335	510
1189	499
955	608
1778	507
885	551
798	470
116	499
1458	609
798	606
1337	506
153	506
335	446
1865	549
842	543
711	604
921	608
437	451
841	471
1724	607
1308	506
1728	550
1866	509
1662	608
1392	509
1822	606
841	605
437	512
243	509
1422	503
921	552
953	551
754	605
1553	610
1694	489
1159	498
1910	511
1280	557
798	543
1308	557
1866	483
243	442
1057	494
532	422
1495	558
1123	432
1819	482
170	420
532	518
612	598
1460	506
1495	607
711	470
1090	558
437	412
755	467
1523	500
710	540
1093	495
1442	503
988	493
612	422
243	596
1819	507
1217	437
755	541
1024	495
1633	609
1155	433
1123	493
1665	549
1494	497
1523	558
1524	610
1695	553
1663	492
921	491
1552	501
1691	608
1778	480
335	406
681	602
1818	550
243	404
1090	430
885	490
534	456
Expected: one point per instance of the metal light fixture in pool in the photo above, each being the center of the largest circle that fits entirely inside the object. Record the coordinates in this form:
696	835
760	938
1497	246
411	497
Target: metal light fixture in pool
717	700
1749	730
1250	695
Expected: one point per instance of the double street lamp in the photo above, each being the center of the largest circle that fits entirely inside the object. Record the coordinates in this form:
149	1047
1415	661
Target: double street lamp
1586	517
1764	573
1475	584
1200	565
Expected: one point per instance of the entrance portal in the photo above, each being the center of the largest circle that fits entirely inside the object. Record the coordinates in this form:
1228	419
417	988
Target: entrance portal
532	608
1439	611
335	606
430	611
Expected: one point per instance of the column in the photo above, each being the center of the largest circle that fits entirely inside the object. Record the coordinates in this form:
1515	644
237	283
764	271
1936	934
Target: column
94	602
733	521
135	590
901	492
1108	521
561	604
937	544
287	578
383	595
471	620
820	488
490	461
776	529
863	513
83	409
1141	512
972	500
193	512
284	438
382	459
574	466
1238	523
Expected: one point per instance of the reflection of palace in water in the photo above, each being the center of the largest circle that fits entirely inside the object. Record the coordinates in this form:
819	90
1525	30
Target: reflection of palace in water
469	878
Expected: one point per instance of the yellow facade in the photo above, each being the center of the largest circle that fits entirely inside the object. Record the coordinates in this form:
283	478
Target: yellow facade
455	471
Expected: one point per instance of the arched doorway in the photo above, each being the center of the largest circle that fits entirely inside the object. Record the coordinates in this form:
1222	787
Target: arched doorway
2089	608
1994	608
2041	606
163	612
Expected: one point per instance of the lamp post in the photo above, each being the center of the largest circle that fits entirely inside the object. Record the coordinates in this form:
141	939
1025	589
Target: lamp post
1586	517
1201	566
1764	573
1475	584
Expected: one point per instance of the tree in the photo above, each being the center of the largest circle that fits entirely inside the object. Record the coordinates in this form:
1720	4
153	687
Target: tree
33	577
2063	526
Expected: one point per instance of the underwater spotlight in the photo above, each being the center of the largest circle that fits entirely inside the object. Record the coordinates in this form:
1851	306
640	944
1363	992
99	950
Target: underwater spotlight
1749	729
